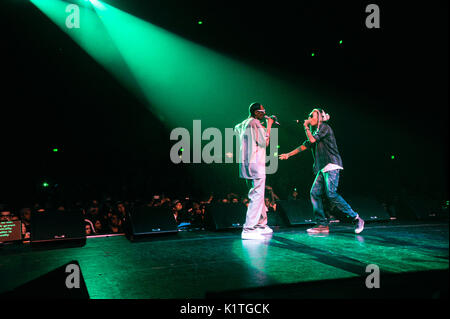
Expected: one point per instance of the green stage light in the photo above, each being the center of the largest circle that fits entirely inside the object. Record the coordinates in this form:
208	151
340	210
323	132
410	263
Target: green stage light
313	54
200	22
45	184
55	150
392	157
97	4
91	36
177	80
340	42
182	80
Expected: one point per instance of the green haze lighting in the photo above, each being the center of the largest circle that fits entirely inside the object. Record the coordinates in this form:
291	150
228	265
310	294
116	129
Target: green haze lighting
340	42
175	78
182	149
55	150
278	146
97	4
313	54
392	157
179	79
91	36
45	184
200	22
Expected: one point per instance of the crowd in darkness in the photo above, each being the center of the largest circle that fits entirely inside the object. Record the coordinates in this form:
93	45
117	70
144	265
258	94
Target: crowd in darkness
109	216
106	216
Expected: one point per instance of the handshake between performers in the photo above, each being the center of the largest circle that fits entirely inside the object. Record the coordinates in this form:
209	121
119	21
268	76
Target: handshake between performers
327	165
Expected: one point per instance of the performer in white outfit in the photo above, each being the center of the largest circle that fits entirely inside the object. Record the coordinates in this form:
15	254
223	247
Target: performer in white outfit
254	139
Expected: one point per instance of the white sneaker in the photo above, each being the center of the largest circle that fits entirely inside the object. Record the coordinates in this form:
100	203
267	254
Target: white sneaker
265	230
360	225
252	235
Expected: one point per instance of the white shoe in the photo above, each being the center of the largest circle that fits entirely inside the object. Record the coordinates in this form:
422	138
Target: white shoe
265	230
360	226
252	235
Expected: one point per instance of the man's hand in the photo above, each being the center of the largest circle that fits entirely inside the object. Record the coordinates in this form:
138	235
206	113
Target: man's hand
306	123
284	156
269	121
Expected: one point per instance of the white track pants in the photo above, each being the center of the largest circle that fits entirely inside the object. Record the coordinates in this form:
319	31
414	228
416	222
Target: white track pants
257	210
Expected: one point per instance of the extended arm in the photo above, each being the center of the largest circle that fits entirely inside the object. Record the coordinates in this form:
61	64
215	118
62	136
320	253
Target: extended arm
299	149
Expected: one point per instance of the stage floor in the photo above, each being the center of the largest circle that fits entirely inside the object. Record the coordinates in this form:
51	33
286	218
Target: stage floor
192	263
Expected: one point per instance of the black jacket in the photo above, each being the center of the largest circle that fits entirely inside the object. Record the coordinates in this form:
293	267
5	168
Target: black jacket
324	149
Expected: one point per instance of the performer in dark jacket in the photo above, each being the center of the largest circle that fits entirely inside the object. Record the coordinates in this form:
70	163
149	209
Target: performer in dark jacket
327	165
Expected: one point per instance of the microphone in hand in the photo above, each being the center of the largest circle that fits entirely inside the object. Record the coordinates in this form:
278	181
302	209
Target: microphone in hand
274	118
301	122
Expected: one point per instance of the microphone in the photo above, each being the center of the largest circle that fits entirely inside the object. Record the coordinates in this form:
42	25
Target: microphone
274	118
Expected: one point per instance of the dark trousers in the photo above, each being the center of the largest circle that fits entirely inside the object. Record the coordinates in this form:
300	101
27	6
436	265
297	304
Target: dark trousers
326	184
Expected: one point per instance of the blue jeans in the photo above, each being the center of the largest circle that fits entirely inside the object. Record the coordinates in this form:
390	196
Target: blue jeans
327	184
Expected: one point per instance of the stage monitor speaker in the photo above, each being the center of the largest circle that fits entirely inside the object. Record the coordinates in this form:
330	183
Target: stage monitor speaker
367	207
55	227
275	219
65	282
145	220
220	216
296	212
